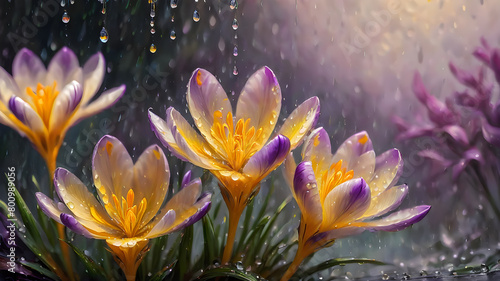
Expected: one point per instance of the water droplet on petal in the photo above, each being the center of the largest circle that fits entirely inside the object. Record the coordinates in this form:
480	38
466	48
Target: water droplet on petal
235	24
235	51
233	4
196	16
172	35
173	4
104	35
152	48
65	17
71	205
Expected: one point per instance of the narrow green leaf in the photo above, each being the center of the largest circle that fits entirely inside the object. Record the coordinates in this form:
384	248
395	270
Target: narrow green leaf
28	219
162	274
184	260
209	240
95	270
40	269
334	262
210	274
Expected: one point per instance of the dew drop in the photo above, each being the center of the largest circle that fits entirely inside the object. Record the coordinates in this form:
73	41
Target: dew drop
235	70
235	24
235	51
385	277
173	4
71	205
172	35
239	266
104	35
65	17
196	16
152	48
233	4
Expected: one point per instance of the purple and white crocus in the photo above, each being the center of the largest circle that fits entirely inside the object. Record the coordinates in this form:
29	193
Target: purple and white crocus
43	103
127	212
235	147
345	193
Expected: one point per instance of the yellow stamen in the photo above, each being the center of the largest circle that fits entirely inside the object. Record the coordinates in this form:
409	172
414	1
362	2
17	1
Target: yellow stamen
363	139
238	143
198	78
109	148
335	176
42	100
157	154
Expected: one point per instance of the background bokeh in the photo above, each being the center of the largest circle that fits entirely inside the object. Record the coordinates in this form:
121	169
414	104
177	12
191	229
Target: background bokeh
358	57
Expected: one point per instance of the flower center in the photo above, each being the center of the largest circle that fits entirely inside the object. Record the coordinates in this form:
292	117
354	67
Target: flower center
237	143
332	178
42	100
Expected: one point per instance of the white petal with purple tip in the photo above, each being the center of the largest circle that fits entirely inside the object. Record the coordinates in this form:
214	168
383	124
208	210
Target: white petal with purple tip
93	74
64	105
268	158
399	220
28	70
27	115
105	100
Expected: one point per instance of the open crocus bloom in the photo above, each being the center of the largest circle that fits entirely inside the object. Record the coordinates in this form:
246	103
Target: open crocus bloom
42	104
234	146
127	212
340	195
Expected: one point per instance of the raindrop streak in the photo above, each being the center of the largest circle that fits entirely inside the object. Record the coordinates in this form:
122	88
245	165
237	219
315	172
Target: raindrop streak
235	51
173	4
235	24
235	70
65	17
152	49
196	16
104	35
233	4
172	35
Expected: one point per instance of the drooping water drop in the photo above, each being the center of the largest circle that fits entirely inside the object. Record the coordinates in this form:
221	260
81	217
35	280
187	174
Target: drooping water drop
153	31
235	51
72	2
173	4
172	35
63	3
103	11
235	24
152	23
65	17
196	16
152	13
152	48
235	70
233	4
239	265
104	35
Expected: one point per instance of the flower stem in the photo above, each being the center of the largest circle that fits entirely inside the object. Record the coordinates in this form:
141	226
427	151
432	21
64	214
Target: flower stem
234	218
299	257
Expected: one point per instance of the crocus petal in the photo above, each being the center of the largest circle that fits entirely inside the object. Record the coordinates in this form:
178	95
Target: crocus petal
182	140
70	222
458	134
186	197
8	87
260	100
289	170
490	133
357	154
399	220
104	101
305	192
93	74
194	214
386	201
28	70
186	179
205	96
51	208
27	115
7	122
317	149
301	121
268	158
112	168
151	179
64	68
64	105
345	203
162	225
388	169
80	201
321	239
495	63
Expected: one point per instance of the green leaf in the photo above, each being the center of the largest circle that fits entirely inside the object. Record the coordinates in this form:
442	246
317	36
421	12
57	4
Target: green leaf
95	270
160	275
28	220
209	240
226	272
40	269
184	257
335	262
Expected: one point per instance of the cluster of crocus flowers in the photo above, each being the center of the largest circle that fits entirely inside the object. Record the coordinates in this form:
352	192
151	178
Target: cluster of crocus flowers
343	194
235	147
127	212
464	131
42	104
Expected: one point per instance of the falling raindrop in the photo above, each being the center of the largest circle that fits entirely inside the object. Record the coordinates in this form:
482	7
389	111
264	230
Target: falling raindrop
196	16
63	3
235	51
235	24
72	2
104	35
152	13
103	11
152	48
152	23
172	35
173	4
153	31
235	70
173	18
233	4
65	17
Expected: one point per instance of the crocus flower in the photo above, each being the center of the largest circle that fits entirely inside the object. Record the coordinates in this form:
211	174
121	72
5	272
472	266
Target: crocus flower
235	146
343	194
42	104
127	212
